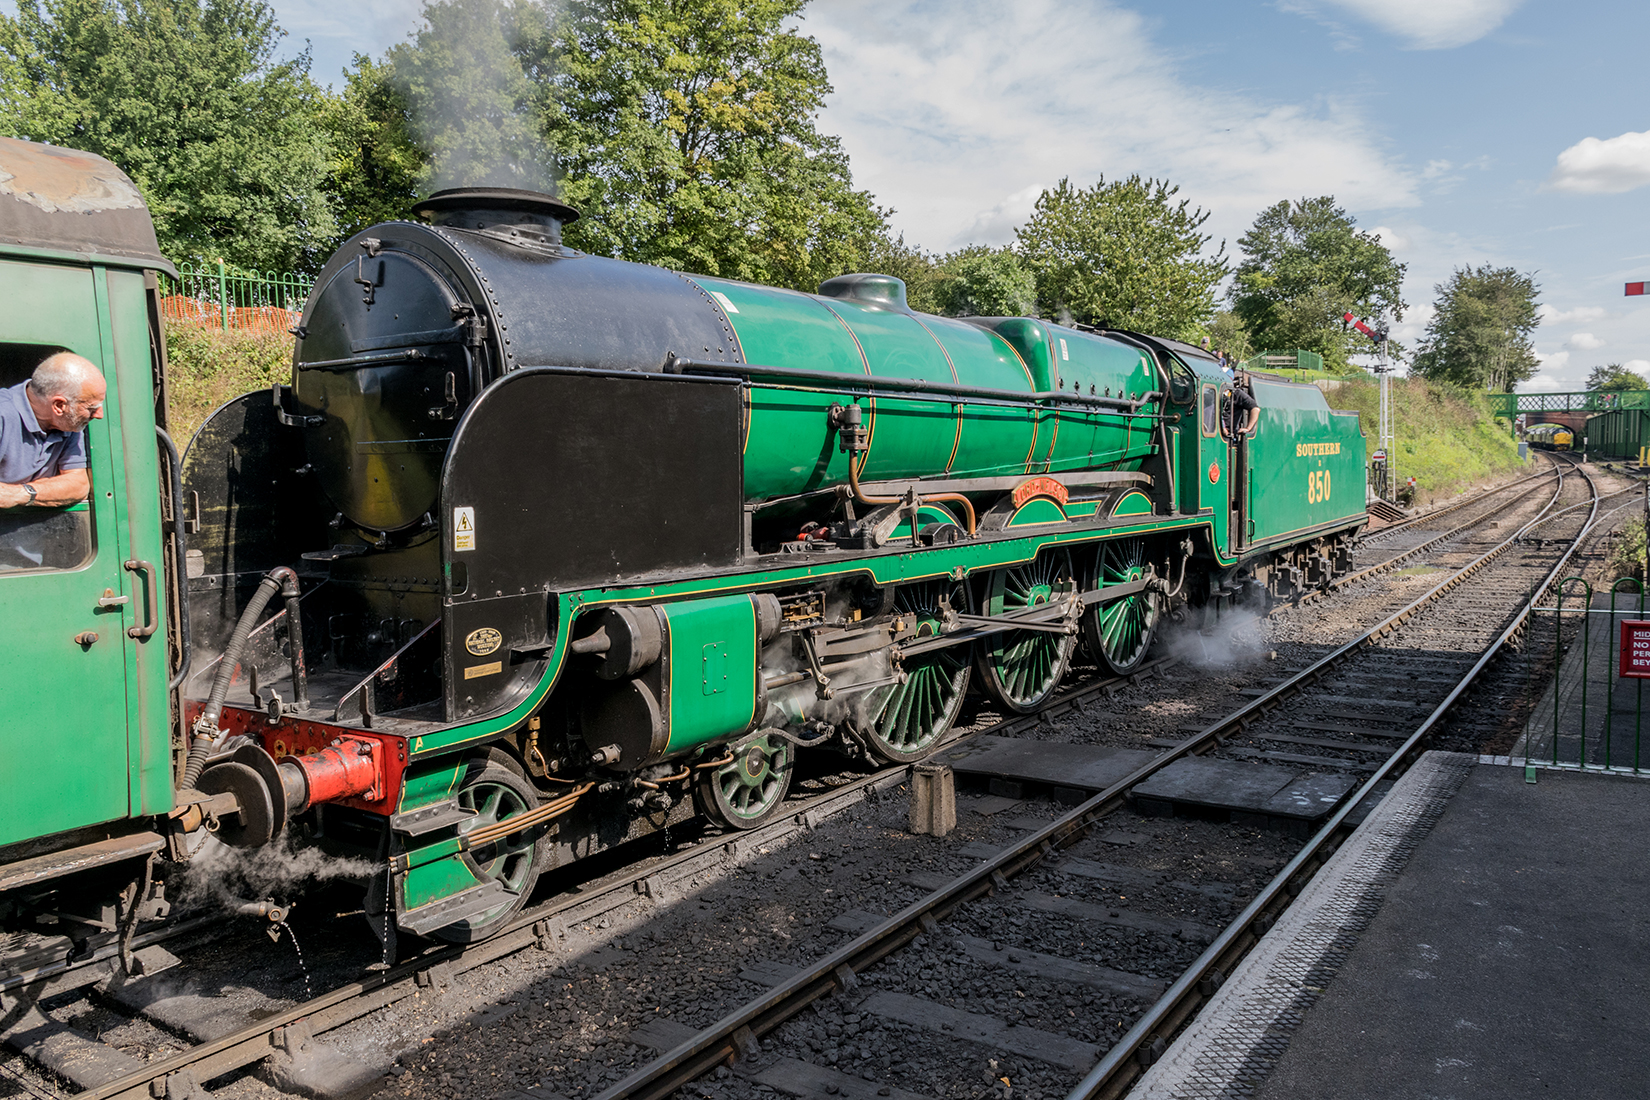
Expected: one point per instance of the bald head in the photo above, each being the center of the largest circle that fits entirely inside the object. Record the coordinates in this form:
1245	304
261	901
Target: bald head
67	392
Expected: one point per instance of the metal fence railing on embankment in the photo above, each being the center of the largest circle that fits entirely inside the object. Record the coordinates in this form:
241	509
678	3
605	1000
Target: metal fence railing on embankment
231	298
1592	714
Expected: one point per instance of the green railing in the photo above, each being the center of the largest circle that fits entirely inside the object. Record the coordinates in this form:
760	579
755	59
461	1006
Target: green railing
1509	405
219	295
1571	729
1275	361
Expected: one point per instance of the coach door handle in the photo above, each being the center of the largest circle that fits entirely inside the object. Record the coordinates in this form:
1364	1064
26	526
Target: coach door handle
151	617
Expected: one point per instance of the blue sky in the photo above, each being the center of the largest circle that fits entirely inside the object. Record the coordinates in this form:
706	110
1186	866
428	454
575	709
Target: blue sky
1509	132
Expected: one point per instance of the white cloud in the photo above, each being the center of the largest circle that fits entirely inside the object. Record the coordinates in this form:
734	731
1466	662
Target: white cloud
1423	24
1608	167
1391	237
1638	366
1553	361
1584	341
954	114
1551	315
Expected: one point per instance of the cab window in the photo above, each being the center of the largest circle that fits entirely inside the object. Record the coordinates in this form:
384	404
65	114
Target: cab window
37	540
1211	410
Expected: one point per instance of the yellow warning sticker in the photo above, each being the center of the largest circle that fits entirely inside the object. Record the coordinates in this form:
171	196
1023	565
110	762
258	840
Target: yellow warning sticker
483	670
464	528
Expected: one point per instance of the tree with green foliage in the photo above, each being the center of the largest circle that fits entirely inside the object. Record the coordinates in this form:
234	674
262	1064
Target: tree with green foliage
379	167
1228	334
980	281
1305	266
1123	254
226	142
1613	377
1479	335
466	80
687	134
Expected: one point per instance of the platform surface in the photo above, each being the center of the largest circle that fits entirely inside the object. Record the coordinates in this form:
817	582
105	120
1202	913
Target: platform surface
1480	937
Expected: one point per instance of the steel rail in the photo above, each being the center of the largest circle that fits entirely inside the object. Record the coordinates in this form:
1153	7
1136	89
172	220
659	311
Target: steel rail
1139	1046
537	926
735	1034
1477	498
1390	563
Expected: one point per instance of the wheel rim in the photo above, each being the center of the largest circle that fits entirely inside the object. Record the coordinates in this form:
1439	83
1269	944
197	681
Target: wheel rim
1023	667
916	714
748	790
509	861
1120	631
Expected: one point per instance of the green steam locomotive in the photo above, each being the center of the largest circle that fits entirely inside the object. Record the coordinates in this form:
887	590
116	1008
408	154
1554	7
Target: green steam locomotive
539	551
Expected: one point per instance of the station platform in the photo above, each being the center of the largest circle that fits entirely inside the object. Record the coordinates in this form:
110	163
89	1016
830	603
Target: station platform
1478	937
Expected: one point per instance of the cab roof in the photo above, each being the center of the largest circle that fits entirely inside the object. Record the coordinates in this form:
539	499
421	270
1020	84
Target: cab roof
66	201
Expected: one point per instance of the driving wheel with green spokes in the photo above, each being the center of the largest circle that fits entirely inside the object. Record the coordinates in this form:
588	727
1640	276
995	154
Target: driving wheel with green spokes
750	789
494	789
1120	631
1021	668
912	717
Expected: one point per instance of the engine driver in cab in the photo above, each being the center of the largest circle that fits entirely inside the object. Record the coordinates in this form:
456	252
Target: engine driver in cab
1240	412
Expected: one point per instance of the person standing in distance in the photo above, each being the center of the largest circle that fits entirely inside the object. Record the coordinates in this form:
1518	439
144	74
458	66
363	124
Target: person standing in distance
42	432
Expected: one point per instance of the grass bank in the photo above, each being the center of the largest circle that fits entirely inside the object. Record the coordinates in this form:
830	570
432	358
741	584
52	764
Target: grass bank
207	367
1446	438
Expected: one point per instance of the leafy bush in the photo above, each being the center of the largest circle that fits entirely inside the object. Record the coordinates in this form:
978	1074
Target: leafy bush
208	367
1446	438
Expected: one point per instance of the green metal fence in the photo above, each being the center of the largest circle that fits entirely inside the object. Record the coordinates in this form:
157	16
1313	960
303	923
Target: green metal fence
1592	714
219	295
1278	361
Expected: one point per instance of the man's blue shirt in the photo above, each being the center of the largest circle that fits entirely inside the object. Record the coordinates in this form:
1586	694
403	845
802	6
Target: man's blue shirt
28	451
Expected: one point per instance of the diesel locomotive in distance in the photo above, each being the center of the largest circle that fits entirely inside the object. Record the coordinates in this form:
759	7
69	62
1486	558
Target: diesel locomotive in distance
1550	437
540	551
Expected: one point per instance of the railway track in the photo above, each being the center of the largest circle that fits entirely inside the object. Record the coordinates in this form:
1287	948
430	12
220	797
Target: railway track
550	928
103	1073
1043	851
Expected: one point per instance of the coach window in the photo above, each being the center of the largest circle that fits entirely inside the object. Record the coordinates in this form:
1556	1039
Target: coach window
33	539
1211	410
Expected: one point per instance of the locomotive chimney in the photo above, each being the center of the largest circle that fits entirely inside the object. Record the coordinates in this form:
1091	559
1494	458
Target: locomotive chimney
500	211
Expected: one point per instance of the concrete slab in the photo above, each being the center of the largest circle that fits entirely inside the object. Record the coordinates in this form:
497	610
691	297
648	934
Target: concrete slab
811	1082
1216	784
1084	767
1056	969
65	1051
1045	1046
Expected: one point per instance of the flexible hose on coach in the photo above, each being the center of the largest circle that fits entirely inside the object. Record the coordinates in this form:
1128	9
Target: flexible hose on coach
278	581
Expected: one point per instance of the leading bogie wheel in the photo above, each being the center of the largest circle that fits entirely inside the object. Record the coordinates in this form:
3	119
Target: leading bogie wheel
1021	669
1119	632
911	717
494	789
750	789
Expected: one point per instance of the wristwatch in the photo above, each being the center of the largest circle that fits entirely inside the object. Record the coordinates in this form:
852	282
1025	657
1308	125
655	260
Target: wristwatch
30	489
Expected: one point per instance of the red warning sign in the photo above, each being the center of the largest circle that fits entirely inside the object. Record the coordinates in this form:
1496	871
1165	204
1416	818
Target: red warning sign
1635	648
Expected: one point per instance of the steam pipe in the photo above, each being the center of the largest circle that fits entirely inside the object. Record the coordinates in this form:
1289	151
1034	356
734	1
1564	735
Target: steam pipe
847	419
276	581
